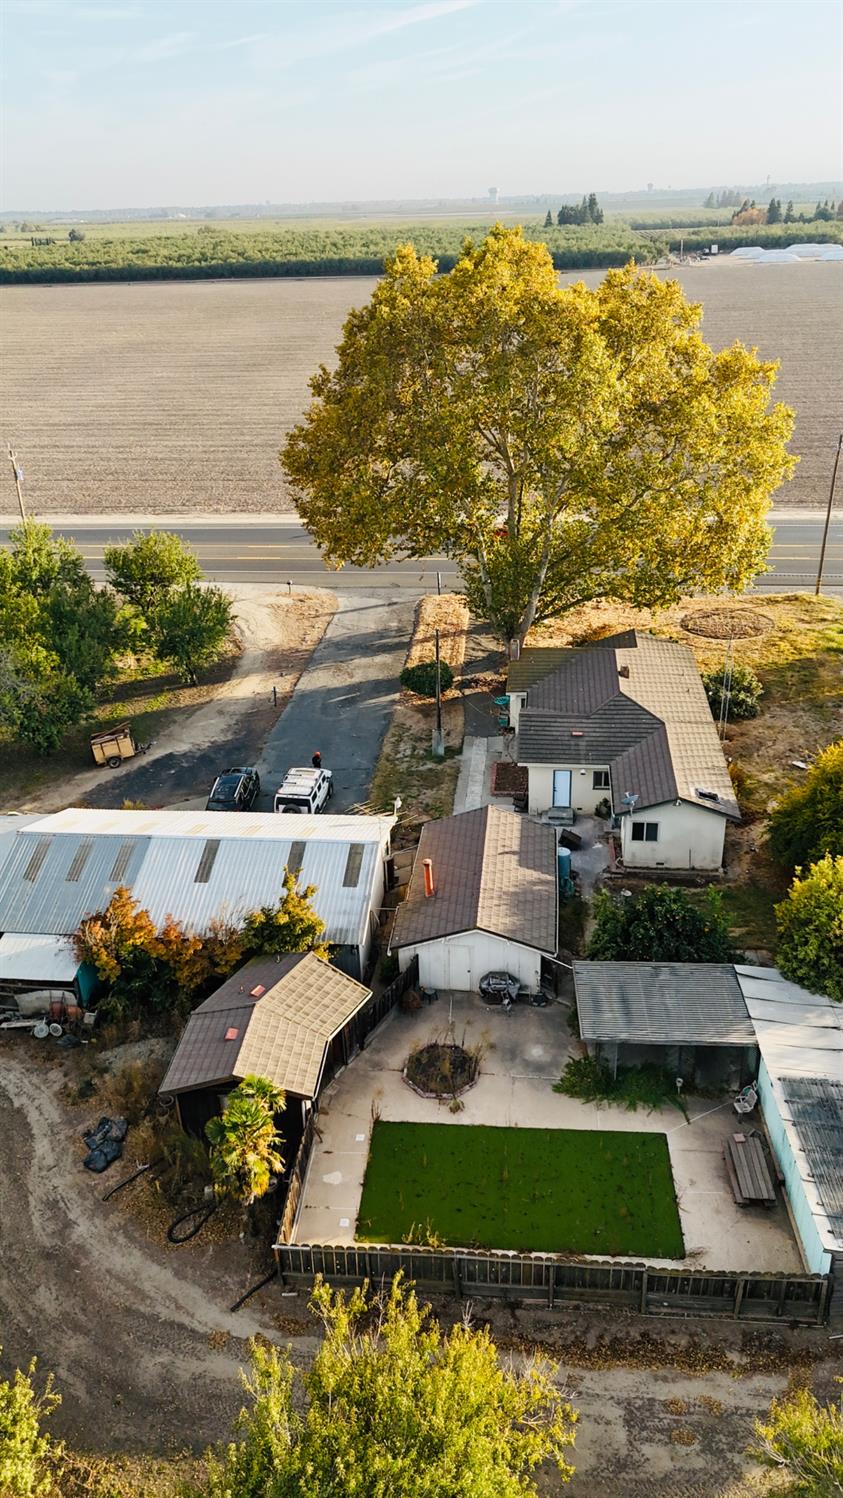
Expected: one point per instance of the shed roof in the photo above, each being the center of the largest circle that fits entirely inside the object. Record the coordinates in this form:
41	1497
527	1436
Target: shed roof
274	1018
36	959
196	866
636	703
800	1036
662	1003
493	871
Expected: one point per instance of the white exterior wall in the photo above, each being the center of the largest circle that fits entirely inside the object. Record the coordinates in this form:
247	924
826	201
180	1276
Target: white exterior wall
817	1257
516	702
583	796
459	962
689	838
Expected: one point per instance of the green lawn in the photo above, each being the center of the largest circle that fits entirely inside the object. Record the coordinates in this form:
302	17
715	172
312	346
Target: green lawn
541	1190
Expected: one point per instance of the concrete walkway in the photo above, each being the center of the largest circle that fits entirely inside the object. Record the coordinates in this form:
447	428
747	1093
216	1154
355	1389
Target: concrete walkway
344	699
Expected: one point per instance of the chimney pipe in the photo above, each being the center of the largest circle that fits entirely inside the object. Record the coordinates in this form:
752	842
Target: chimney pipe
429	887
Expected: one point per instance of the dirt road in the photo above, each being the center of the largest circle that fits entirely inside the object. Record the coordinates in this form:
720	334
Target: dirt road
124	1324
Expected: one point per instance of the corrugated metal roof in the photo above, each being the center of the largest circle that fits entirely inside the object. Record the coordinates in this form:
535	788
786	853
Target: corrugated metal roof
36	959
280	1032
662	1003
493	870
669	749
800	1036
158	856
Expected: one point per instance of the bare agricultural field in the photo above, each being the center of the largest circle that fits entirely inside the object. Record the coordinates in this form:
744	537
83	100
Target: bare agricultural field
175	396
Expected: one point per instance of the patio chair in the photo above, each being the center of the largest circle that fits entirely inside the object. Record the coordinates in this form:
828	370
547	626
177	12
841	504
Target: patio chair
746	1099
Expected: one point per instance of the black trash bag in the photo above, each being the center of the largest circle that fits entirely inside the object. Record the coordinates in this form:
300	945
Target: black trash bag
99	1159
107	1130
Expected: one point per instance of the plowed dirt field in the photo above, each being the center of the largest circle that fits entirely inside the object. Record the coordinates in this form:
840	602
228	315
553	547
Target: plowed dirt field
175	397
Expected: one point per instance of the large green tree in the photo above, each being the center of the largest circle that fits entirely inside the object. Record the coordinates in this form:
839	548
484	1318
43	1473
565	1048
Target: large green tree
393	1407
561	444
808	820
150	567
659	925
191	627
59	636
810	926
290	926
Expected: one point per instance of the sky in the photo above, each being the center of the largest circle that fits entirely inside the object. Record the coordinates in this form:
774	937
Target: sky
144	103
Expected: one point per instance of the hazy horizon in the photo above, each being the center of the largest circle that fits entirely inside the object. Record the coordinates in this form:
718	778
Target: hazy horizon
184	102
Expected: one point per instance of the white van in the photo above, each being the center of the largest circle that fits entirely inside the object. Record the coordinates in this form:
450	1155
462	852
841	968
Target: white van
304	790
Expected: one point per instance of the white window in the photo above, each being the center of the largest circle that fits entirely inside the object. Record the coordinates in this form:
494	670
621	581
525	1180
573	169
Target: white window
562	788
600	780
645	832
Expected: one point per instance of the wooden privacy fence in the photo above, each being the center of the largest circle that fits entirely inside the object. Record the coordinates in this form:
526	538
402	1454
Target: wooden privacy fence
379	1007
553	1281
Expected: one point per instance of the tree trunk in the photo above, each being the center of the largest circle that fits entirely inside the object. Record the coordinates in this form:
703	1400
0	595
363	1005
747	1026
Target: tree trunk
529	614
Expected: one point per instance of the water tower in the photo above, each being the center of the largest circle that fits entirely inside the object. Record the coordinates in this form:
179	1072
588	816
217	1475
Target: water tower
493	194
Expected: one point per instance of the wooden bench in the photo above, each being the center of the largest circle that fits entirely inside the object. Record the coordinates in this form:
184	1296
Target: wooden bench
746	1167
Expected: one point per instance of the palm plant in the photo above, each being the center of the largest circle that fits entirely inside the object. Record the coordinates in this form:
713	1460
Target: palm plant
245	1144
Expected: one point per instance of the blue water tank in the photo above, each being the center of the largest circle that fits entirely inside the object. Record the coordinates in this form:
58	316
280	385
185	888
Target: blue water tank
564	864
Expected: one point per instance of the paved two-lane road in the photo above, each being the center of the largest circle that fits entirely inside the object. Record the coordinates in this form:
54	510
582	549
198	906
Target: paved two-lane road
261	549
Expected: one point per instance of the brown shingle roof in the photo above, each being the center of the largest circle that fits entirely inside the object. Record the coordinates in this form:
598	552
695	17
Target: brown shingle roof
281	1033
642	710
493	870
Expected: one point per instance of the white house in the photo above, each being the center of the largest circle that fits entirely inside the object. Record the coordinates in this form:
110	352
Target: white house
626	723
483	897
197	866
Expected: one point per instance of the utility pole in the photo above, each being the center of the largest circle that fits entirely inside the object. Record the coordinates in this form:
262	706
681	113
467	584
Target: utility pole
828	514
438	735
18	476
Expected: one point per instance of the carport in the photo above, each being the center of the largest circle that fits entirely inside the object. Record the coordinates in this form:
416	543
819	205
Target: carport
688	1017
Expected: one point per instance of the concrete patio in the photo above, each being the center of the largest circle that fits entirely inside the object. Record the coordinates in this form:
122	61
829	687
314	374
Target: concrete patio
523	1055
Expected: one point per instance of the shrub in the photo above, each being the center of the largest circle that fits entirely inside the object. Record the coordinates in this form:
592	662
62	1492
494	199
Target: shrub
810	925
659	925
808	821
743	695
24	1449
421	679
648	1086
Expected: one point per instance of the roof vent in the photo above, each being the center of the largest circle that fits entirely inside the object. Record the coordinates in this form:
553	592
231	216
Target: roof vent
576	733
257	991
232	1033
705	795
429	886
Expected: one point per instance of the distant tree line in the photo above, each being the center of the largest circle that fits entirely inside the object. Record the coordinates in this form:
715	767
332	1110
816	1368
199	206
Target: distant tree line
309	252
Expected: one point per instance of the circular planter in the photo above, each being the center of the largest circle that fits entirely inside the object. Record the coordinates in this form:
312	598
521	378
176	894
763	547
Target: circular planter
441	1071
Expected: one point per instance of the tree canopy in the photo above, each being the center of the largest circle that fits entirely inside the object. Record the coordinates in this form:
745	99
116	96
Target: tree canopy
59	635
803	1439
392	1407
562	444
659	925
149	567
808	820
191	627
810	926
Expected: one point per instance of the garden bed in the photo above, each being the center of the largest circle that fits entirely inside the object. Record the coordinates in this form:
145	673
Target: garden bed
531	1190
441	1070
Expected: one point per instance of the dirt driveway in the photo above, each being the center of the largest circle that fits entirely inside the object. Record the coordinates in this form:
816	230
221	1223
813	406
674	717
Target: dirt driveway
140	1339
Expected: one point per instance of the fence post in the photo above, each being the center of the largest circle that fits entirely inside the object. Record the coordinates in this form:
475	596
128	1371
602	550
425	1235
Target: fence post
551	1284
644	1290
455	1264
740	1291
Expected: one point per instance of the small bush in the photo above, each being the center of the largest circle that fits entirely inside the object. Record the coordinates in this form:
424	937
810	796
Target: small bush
132	1089
421	679
744	693
649	1086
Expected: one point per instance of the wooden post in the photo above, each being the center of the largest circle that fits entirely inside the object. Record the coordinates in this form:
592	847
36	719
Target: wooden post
643	1303
551	1285
455	1265
739	1295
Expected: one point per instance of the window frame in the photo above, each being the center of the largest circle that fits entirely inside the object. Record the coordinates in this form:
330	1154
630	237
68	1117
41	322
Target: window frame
649	832
600	780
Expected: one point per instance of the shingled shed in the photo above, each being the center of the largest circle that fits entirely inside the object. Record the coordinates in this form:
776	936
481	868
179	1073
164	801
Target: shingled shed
688	1017
482	898
293	1019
